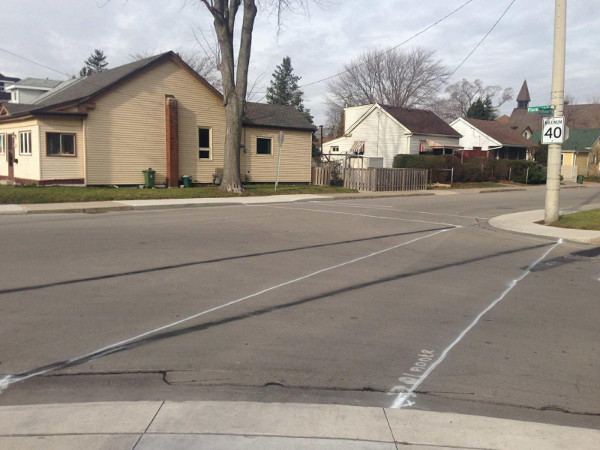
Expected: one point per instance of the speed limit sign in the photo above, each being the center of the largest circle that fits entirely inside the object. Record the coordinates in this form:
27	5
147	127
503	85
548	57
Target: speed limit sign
553	130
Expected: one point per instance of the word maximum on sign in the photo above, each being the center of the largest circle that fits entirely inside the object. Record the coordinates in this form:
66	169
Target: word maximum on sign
553	130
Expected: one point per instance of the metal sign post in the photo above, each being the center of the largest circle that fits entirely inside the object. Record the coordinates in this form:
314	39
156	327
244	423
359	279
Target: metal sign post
278	159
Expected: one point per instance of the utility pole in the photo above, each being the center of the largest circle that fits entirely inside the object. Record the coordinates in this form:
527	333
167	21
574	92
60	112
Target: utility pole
321	127
557	101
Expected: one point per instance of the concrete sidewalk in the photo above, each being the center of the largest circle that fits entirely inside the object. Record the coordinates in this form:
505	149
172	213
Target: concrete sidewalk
525	222
237	425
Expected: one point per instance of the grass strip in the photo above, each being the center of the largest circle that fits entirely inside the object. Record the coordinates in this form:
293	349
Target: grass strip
582	220
67	194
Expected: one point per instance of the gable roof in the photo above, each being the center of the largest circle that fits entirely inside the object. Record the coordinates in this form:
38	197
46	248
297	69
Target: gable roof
501	133
420	121
42	83
275	116
80	90
7	78
579	140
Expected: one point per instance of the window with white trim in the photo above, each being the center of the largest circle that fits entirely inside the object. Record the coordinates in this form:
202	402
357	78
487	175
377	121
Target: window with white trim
60	144
25	142
335	149
264	146
2	144
204	143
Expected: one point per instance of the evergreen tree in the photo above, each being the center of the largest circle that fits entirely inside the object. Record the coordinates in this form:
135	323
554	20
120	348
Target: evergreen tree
284	88
94	64
482	109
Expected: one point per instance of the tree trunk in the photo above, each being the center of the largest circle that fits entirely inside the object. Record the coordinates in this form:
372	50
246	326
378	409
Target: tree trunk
234	109
235	80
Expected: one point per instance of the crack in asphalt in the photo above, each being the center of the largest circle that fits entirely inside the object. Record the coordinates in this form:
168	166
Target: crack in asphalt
510	405
440	394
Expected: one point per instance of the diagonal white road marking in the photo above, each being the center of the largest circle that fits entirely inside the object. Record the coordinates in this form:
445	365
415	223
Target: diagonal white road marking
400	400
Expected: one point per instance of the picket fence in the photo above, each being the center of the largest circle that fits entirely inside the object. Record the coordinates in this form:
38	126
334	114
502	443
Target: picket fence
385	179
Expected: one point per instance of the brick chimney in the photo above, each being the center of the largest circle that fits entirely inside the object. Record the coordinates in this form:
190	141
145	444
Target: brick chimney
172	124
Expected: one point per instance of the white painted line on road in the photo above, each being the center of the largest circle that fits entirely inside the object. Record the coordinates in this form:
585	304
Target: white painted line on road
362	215
10	379
391	208
400	400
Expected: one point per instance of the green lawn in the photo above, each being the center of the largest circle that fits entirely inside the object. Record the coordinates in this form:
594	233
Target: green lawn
582	220
62	194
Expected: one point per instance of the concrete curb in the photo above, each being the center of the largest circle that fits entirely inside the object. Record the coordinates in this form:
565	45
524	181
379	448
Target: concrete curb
524	222
156	425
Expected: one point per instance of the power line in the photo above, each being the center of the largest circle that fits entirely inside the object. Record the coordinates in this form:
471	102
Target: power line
393	48
34	62
482	39
414	36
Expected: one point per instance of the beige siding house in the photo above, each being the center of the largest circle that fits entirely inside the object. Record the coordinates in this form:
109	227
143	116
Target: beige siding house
156	113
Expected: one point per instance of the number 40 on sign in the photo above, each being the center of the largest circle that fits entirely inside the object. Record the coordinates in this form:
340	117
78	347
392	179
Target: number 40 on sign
553	130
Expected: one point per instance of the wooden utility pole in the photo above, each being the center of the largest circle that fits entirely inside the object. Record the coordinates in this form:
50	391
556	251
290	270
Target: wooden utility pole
552	210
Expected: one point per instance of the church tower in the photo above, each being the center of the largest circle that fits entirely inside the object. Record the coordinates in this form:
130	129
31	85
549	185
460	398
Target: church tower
523	98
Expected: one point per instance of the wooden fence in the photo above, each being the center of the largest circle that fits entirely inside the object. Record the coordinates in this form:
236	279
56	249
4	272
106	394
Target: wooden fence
385	179
321	176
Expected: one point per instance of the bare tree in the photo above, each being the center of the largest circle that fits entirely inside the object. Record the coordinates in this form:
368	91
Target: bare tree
234	72
462	94
392	77
334	116
570	99
593	99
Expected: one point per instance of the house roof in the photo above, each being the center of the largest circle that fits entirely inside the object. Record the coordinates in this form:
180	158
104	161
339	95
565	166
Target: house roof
501	133
579	140
43	83
577	117
82	89
420	121
6	78
524	93
276	116
91	85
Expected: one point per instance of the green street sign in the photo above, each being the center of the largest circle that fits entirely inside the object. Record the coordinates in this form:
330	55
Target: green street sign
540	109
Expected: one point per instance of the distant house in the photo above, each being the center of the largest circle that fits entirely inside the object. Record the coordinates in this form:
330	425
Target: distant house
30	89
4	83
577	117
577	151
154	113
493	139
382	132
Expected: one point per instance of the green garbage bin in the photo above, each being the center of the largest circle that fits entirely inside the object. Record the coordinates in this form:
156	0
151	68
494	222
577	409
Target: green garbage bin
580	179
187	181
149	178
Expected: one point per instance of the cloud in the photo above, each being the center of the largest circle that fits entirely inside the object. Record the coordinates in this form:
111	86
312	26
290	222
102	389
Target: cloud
61	34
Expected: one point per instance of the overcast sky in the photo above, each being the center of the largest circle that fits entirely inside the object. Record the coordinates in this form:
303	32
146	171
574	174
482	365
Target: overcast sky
61	34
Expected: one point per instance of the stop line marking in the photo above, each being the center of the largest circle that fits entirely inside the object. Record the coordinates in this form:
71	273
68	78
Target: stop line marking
391	208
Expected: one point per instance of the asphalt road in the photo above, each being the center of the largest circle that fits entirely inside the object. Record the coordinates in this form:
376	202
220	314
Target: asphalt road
411	301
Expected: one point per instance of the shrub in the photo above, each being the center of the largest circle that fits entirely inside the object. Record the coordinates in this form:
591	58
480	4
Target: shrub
537	172
474	169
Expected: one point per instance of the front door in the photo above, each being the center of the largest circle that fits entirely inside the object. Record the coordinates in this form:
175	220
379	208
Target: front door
10	149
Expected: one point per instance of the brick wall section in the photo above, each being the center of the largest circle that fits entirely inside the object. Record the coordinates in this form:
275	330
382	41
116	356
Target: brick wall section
172	125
